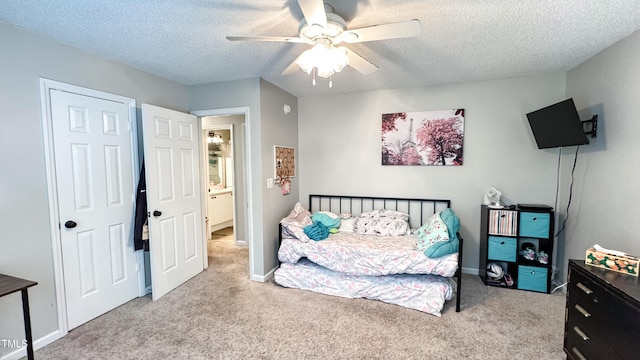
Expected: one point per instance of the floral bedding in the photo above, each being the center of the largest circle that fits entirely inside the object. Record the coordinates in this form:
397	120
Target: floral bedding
371	255
420	292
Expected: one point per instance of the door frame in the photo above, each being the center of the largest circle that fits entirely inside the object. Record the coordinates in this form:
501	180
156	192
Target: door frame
248	215
46	85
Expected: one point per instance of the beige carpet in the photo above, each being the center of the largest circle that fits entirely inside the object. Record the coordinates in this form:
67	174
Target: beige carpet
221	314
222	234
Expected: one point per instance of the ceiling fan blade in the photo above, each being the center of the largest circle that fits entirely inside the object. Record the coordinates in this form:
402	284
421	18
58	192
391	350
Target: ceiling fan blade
360	64
291	69
291	39
313	11
403	29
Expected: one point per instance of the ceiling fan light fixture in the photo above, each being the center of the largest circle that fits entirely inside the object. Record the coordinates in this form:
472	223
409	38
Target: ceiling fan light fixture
326	59
325	30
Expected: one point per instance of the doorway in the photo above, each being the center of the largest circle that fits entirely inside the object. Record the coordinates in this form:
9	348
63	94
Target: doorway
219	172
224	138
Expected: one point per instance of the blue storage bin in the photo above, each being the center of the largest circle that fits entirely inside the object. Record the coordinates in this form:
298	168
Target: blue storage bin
534	224
502	248
532	278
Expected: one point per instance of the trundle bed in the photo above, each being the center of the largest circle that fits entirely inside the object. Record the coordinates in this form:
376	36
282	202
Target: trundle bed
372	255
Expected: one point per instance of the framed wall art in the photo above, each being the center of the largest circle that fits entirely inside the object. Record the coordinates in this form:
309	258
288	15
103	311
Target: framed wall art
423	137
284	162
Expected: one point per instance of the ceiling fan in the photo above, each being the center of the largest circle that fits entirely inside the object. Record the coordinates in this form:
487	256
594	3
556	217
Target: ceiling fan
324	31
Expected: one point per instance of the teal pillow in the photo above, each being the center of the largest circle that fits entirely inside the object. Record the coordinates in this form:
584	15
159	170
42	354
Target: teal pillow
327	219
442	248
451	220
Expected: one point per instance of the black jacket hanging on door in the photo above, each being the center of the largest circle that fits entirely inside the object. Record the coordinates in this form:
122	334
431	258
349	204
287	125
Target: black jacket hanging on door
141	213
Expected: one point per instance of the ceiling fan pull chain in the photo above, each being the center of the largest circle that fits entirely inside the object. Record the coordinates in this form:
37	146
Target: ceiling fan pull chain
315	72
330	82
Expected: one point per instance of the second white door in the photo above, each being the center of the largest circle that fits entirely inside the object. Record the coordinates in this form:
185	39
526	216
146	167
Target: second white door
173	197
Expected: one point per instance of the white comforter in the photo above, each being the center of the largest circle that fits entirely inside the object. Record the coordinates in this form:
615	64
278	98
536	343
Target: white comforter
420	292
370	255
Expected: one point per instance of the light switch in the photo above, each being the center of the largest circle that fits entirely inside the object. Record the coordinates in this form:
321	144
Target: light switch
269	183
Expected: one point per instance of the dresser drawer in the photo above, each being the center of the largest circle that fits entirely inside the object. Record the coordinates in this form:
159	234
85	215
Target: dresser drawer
535	225
603	305
532	278
502	248
580	349
587	321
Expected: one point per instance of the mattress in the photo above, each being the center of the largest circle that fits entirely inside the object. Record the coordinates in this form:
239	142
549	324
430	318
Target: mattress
426	293
369	255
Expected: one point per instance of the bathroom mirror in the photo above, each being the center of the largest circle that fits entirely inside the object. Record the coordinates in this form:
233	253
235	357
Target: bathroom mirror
220	159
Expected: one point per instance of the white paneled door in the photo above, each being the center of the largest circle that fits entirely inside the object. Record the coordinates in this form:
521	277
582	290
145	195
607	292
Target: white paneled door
95	191
173	197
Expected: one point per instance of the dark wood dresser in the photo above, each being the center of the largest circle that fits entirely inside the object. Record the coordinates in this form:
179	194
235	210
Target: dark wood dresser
602	316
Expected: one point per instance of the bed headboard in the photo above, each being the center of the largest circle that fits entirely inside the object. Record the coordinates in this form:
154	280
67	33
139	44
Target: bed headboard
419	210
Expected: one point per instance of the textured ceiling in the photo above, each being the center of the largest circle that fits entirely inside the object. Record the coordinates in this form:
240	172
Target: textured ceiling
461	40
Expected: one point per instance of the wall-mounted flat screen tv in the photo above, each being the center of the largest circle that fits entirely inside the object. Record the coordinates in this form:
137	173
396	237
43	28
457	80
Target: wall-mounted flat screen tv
557	125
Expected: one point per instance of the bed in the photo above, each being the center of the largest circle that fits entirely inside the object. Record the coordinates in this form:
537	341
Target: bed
373	255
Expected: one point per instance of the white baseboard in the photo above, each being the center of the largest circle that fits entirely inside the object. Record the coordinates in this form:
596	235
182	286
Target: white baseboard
264	278
472	271
37	344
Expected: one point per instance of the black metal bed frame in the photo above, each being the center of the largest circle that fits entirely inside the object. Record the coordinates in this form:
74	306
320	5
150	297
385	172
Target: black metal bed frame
419	211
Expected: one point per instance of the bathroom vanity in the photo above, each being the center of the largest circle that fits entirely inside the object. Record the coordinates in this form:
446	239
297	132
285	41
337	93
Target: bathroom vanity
220	209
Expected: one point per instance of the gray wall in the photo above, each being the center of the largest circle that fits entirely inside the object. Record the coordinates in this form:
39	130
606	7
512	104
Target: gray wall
340	140
277	129
608	170
25	239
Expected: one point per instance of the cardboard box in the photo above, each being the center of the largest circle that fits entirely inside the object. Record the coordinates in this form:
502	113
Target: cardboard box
627	264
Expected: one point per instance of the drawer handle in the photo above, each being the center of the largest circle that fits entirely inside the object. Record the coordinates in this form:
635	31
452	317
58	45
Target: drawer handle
580	333
501	242
578	354
584	288
582	311
534	218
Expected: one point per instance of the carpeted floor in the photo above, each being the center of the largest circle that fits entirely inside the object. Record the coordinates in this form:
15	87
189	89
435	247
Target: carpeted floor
221	314
222	234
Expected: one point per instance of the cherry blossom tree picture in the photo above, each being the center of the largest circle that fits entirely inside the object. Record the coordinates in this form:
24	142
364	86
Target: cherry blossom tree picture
423	137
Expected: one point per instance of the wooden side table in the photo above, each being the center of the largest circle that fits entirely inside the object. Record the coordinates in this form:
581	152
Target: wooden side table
9	285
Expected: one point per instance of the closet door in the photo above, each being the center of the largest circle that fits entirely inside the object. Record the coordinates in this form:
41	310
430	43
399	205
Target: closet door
95	190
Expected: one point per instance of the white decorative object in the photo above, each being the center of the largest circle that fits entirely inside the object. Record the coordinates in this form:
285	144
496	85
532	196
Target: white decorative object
492	198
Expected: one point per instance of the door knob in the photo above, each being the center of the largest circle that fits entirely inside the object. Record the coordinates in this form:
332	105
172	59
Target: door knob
70	224
157	213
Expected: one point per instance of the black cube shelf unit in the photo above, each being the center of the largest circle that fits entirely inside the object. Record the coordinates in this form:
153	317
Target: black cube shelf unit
520	242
